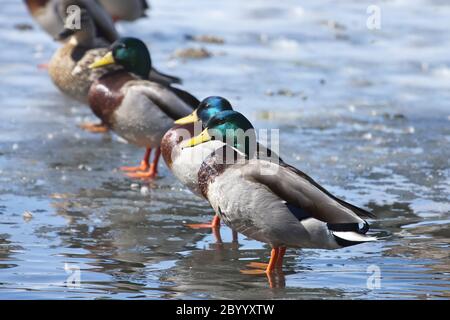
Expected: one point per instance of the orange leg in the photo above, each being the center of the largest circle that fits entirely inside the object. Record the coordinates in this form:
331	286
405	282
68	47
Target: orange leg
273	260
152	171
215	226
94	127
279	263
145	163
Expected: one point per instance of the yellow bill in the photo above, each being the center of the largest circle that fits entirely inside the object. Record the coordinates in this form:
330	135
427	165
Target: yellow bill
188	119
202	137
106	60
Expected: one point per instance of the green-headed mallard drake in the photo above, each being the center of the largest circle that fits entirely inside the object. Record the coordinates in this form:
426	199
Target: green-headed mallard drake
185	162
50	14
137	109
271	201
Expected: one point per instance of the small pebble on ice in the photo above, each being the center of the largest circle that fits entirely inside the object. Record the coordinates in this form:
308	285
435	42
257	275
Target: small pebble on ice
206	39
134	186
23	26
410	130
84	167
27	215
192	53
145	191
367	136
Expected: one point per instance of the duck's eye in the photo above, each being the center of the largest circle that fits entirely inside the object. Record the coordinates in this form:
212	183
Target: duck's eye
215	123
118	46
220	121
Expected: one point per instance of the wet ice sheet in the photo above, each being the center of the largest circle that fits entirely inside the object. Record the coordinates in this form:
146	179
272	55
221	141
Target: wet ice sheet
363	112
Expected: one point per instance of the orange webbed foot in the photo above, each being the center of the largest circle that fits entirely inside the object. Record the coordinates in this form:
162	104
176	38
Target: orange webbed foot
254	272
149	174
275	279
94	127
42	66
142	167
258	265
199	225
215	224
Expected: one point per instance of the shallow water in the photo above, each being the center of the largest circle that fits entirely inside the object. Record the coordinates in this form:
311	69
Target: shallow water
366	113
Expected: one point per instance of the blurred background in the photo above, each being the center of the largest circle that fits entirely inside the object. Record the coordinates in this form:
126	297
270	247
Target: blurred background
363	111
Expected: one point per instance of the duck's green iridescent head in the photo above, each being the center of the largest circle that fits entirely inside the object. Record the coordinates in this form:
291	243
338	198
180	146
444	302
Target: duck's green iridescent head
130	53
232	128
207	109
211	106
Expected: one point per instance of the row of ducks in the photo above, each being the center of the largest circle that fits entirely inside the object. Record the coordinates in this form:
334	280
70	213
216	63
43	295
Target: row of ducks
207	145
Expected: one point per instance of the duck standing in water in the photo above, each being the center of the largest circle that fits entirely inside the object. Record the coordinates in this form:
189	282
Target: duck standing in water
137	109
69	66
185	162
271	201
50	14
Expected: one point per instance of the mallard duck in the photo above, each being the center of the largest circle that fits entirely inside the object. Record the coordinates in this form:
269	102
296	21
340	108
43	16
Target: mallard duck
69	66
185	162
50	14
137	109
271	201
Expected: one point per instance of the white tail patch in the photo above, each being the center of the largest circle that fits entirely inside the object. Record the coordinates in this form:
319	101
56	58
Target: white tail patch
352	236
